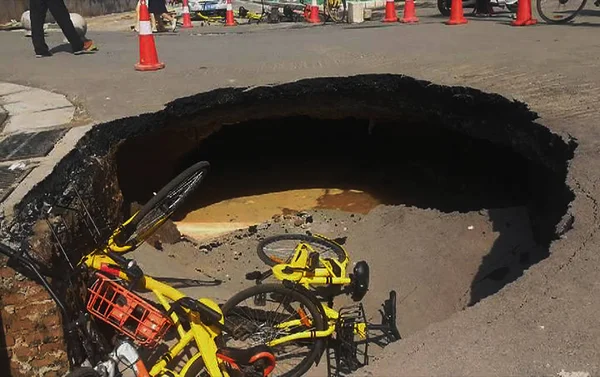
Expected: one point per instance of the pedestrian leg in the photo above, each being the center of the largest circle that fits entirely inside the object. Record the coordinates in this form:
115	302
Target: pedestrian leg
37	15
63	19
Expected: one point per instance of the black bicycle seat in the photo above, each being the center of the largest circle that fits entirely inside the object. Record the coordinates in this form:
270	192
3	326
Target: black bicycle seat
260	357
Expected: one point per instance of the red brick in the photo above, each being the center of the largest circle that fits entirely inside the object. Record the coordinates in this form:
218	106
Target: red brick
55	332
50	347
20	324
12	298
37	296
15	368
10	340
42	307
43	362
51	320
34	338
24	353
7	272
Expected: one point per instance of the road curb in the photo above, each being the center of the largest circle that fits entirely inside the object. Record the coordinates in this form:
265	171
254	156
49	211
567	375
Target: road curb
36	131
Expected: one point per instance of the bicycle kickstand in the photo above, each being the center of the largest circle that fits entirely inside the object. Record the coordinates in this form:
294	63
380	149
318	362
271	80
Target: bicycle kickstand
388	324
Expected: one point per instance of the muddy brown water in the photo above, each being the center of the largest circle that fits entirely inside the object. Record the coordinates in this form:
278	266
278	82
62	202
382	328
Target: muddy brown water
239	213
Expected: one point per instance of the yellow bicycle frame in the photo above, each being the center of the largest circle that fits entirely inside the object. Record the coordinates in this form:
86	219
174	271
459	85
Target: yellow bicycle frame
320	276
203	335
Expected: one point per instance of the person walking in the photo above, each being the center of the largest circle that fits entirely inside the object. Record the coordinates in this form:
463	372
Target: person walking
159	9
38	10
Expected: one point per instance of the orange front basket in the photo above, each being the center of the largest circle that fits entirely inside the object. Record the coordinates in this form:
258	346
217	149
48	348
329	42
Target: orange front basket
127	312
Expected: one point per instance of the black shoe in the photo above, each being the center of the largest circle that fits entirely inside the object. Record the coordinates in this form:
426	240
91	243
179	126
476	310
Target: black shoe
44	54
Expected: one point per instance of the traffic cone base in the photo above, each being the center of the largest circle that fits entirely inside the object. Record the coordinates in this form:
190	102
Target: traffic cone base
390	12
411	20
524	17
409	15
457	22
524	23
149	67
457	16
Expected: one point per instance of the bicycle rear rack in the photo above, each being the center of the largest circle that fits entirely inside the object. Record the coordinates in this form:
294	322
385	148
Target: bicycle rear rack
346	353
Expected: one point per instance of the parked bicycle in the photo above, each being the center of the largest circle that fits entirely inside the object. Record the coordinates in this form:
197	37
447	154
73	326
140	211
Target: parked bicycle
297	319
111	281
560	11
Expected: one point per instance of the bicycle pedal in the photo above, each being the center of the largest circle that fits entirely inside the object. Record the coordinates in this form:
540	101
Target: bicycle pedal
253	275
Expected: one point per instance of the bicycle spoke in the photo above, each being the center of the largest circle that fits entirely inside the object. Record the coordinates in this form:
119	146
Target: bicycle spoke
259	325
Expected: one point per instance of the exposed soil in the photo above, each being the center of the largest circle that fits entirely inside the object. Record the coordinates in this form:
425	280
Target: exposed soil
437	262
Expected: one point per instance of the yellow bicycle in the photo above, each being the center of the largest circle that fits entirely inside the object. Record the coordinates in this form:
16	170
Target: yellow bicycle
112	303
242	13
299	313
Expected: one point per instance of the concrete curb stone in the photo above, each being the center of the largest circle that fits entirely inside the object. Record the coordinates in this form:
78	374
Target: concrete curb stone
27	110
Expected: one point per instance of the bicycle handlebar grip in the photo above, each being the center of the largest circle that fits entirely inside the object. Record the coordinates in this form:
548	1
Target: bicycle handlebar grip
135	274
122	261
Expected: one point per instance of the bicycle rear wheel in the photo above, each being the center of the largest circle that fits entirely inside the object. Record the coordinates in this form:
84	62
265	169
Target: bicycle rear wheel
280	248
158	209
559	11
253	315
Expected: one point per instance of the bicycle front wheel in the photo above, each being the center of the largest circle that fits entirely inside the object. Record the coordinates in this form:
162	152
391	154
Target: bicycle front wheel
280	248
559	11
265	312
158	209
335	9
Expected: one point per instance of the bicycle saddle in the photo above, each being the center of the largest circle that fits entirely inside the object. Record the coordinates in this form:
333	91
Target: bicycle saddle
259	358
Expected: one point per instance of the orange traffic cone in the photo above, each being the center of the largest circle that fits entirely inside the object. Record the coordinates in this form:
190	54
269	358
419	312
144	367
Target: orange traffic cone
410	16
229	21
314	13
457	16
148	56
524	17
390	12
187	20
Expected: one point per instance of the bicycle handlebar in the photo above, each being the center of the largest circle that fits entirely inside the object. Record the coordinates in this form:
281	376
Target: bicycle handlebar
129	267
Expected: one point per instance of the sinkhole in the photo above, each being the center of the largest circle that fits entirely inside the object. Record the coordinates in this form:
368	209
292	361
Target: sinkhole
448	192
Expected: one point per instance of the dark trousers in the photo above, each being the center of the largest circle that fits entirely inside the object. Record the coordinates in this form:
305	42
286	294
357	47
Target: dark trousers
38	10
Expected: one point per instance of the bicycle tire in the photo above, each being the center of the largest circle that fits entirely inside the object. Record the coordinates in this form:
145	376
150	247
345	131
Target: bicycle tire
318	345
550	20
443	7
327	11
143	224
83	372
271	261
